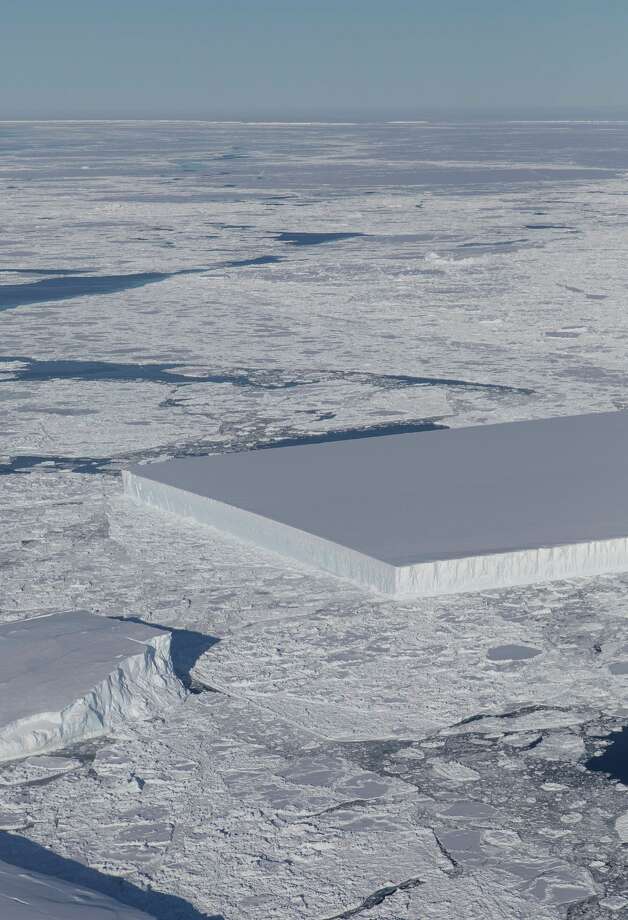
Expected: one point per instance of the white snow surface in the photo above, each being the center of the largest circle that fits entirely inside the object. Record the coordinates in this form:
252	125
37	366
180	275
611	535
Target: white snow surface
425	513
27	895
68	677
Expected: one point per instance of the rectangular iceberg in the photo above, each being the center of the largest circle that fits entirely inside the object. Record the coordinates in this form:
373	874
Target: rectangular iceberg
422	514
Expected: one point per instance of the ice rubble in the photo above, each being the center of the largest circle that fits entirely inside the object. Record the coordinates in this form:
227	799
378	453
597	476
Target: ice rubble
72	676
27	895
422	514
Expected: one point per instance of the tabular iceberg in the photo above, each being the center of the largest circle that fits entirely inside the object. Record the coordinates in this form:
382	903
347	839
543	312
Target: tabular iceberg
68	677
422	514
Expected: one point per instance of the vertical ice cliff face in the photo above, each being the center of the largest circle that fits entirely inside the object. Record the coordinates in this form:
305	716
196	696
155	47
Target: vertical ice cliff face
525	567
83	676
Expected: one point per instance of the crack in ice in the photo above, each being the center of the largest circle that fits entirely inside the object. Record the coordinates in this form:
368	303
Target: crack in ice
373	900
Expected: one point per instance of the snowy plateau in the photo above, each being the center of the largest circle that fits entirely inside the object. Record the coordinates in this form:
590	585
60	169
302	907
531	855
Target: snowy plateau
175	290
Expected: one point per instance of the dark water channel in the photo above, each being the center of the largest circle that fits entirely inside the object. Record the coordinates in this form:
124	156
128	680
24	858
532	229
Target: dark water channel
65	287
614	760
313	239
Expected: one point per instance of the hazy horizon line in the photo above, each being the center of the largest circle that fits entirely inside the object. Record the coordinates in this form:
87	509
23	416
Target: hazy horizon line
607	115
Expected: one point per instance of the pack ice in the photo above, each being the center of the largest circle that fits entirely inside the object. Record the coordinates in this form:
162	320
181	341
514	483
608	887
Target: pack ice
68	677
422	514
27	895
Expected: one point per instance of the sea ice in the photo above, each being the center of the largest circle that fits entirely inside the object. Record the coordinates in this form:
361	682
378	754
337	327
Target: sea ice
71	676
422	514
348	335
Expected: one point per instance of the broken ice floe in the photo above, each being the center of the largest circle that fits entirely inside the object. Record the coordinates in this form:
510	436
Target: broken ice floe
68	677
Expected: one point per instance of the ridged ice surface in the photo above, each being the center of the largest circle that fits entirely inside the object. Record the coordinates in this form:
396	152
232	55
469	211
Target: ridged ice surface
426	513
68	677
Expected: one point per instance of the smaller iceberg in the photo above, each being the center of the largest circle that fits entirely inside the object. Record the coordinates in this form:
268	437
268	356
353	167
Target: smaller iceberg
68	677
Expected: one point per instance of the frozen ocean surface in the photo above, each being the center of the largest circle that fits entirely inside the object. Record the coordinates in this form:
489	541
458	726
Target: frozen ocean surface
339	750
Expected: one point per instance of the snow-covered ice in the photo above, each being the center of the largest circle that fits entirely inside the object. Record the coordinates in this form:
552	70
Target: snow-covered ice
28	895
429	513
69	677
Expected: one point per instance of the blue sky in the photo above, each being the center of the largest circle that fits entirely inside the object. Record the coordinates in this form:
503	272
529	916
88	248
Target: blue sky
311	58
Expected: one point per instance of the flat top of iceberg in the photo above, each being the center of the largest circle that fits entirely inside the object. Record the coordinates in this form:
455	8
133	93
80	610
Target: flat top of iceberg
48	662
422	497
